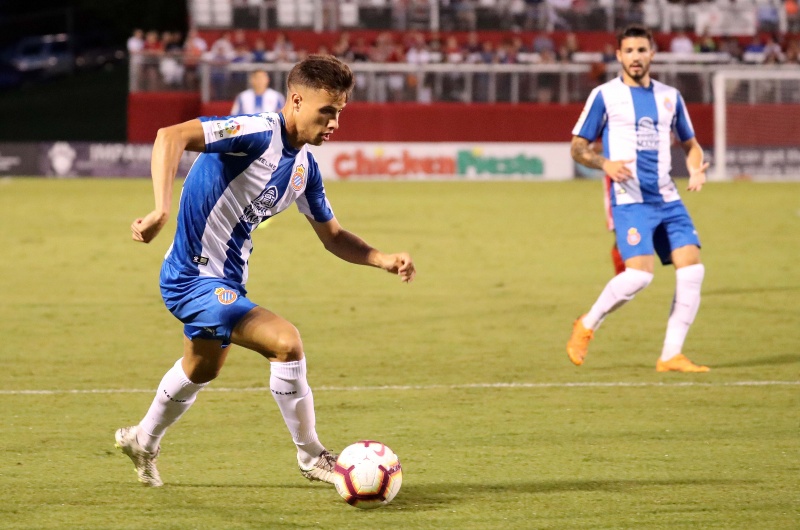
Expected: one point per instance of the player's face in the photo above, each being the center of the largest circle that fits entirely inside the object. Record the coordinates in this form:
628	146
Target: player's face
316	114
259	81
635	54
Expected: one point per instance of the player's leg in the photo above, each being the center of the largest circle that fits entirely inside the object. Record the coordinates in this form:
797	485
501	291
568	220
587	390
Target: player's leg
209	308
201	362
634	239
278	340
676	242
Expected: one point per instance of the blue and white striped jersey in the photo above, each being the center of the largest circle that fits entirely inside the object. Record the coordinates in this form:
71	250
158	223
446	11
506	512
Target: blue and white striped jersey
248	102
635	124
248	173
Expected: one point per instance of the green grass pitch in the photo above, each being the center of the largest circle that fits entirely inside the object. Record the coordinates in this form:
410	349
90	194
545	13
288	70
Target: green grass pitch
463	373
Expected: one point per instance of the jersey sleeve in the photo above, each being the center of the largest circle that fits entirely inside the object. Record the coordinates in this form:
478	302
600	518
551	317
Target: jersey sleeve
592	118
313	201
236	134
681	123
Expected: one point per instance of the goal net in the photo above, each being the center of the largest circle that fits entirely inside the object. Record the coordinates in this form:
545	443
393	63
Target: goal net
757	124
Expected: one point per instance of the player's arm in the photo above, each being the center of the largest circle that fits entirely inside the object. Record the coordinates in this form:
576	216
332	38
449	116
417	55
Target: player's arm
694	162
351	248
168	148
583	153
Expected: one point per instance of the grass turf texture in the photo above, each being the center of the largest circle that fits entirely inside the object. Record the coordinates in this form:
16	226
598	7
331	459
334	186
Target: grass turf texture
504	268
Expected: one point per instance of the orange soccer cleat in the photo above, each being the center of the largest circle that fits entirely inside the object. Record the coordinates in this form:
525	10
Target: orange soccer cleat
578	343
680	363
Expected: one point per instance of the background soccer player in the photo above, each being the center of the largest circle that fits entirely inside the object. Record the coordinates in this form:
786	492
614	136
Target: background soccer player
259	97
251	168
635	115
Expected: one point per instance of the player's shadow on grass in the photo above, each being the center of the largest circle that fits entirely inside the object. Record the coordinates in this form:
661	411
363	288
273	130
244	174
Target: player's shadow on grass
749	290
784	358
433	496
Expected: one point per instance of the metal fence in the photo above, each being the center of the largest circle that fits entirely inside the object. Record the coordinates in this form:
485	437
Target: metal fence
425	83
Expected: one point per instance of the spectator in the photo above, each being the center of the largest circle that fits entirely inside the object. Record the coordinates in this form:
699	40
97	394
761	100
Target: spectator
136	42
283	49
472	48
755	46
773	53
171	63
609	53
152	49
706	43
792	55
193	49
568	48
466	17
360	51
259	53
259	97
792	16
543	43
342	48
681	43
535	14
222	49
731	46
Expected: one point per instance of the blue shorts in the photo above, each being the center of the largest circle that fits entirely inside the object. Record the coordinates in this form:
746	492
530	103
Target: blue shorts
646	228
208	307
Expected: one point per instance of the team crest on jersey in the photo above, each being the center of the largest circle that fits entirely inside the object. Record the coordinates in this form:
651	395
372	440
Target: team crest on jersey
668	104
225	296
298	178
259	208
634	237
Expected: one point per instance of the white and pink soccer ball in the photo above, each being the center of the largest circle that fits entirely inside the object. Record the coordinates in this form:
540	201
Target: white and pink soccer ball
368	474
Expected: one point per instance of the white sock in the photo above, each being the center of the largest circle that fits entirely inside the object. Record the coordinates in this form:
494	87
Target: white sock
296	402
688	281
619	290
174	396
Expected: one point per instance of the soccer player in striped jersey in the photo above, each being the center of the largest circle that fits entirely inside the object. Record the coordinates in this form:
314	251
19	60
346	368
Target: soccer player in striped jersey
250	169
635	117
259	97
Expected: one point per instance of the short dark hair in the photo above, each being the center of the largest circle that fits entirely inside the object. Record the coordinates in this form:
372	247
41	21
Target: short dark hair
322	72
634	30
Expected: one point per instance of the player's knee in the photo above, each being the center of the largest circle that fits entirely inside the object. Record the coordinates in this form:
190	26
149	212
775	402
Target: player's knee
288	346
204	371
637	280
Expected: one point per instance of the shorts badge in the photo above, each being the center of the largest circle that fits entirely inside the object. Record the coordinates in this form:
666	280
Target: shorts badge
634	237
225	296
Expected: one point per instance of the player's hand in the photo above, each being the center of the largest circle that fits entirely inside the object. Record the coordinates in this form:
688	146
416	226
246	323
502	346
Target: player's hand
697	177
146	228
618	170
400	264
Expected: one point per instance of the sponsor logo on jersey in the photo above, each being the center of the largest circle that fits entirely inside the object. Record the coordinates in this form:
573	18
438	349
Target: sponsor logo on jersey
200	260
270	165
298	178
225	296
668	104
646	135
259	208
634	237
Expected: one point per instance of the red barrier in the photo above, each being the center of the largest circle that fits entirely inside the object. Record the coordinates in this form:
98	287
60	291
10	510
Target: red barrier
149	111
404	122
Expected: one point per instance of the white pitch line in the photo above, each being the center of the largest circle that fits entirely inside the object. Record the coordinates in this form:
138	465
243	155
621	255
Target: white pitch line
422	387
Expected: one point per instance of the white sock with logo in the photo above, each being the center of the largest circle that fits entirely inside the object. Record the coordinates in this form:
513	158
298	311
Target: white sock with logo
174	396
295	400
617	292
688	282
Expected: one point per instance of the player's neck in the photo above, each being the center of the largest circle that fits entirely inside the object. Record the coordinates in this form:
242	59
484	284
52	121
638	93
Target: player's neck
644	82
292	136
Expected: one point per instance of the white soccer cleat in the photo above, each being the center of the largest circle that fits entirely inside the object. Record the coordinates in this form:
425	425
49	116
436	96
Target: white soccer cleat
322	469
143	461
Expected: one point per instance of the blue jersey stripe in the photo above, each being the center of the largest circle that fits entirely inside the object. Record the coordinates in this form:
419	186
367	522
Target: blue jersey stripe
644	106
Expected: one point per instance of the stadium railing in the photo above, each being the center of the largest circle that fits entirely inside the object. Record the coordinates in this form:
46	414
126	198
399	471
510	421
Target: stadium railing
530	82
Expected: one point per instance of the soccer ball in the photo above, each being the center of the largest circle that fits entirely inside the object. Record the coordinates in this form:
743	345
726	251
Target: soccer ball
368	474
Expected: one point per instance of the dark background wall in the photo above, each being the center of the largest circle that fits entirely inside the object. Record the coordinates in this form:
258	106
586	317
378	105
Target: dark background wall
85	105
